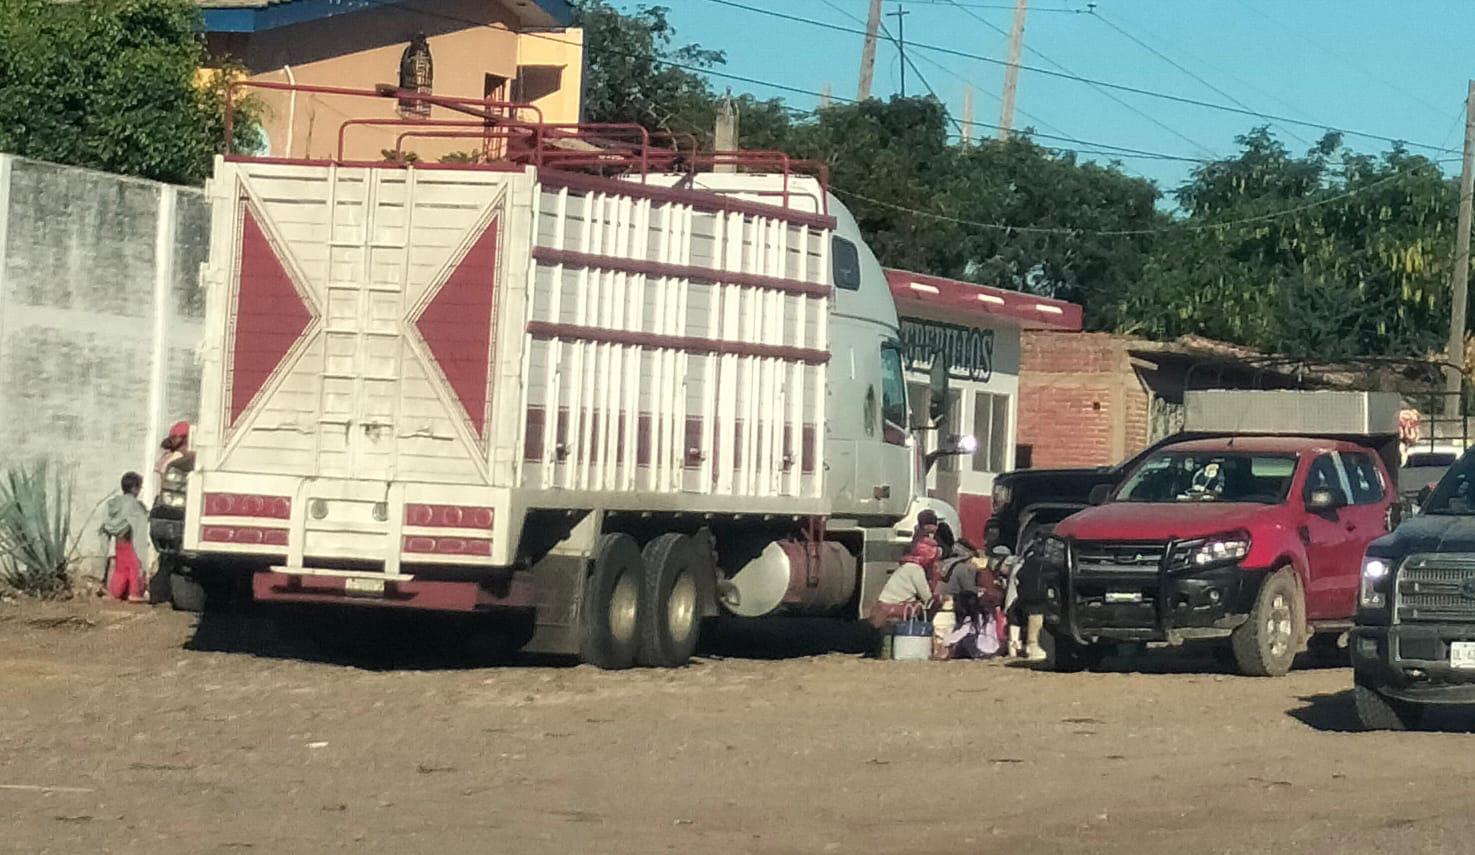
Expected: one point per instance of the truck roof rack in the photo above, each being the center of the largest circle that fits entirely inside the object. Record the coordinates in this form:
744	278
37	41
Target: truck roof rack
515	135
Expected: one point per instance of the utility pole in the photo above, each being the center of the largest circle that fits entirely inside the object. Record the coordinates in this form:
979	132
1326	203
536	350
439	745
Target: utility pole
868	52
901	42
1460	281
1011	71
824	97
967	116
725	135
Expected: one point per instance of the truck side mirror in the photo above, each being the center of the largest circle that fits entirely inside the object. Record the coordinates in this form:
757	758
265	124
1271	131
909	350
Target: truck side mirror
1325	499
1099	494
937	389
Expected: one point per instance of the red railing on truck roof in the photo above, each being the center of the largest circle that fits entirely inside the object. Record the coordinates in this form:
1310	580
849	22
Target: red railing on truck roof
515	135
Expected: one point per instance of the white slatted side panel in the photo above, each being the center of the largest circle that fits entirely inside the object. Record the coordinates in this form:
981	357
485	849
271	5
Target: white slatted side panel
617	403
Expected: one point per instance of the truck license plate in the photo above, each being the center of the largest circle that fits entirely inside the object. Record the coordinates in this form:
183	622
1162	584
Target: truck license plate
355	587
1462	655
1124	596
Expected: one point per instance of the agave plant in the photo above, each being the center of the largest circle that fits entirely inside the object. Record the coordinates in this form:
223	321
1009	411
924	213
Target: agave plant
36	539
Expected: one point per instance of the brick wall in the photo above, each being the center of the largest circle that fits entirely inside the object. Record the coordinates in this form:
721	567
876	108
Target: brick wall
1080	400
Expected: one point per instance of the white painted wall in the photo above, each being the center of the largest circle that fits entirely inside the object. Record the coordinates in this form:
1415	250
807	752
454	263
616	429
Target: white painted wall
100	320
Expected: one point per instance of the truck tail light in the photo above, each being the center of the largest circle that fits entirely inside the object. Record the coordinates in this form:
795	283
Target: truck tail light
480	547
449	516
244	535
247	505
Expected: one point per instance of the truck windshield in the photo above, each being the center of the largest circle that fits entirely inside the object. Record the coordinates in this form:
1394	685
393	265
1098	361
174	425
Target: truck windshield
1210	476
1455	495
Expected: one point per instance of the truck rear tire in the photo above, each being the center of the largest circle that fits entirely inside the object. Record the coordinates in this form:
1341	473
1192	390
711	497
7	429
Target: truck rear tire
1377	712
676	579
1265	645
610	612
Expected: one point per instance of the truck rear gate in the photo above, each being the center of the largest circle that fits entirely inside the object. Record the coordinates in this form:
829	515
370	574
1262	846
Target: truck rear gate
404	362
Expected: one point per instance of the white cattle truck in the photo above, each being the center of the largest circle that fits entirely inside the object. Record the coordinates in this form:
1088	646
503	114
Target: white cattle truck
593	409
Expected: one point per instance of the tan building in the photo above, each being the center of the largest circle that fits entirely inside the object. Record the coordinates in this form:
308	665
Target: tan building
522	51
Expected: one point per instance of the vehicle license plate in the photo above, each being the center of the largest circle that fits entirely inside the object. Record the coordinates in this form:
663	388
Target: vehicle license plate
1124	596
363	587
1462	655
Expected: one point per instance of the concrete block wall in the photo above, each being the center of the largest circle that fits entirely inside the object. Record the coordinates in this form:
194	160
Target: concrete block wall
100	319
1080	400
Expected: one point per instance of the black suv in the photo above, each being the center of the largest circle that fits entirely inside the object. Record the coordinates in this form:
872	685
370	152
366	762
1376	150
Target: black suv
1414	640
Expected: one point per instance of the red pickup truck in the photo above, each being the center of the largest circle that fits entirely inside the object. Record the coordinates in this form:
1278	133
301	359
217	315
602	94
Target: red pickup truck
1253	540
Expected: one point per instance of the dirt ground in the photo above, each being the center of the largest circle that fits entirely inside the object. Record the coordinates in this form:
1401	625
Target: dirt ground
134	730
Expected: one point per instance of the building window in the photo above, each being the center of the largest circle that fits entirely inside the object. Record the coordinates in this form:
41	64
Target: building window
991	429
845	259
416	74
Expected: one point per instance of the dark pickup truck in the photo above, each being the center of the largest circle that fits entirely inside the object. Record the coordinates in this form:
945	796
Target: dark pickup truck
1413	645
1029	502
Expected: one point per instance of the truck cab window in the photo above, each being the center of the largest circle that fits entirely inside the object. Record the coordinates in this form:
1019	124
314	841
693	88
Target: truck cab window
893	390
845	261
1367	484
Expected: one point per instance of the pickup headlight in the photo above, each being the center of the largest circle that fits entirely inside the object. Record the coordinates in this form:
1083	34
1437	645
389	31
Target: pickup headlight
172	499
1375	574
1216	551
1053	552
1002	494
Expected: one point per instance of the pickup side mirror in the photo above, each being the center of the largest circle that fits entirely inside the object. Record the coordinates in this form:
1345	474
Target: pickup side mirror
1424	495
1099	494
1325	499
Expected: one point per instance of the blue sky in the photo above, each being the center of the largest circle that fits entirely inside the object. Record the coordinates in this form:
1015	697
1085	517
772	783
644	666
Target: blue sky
1394	68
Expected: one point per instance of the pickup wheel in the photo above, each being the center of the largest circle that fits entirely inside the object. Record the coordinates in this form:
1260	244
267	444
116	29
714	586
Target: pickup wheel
610	611
1265	645
1073	658
1378	712
676	581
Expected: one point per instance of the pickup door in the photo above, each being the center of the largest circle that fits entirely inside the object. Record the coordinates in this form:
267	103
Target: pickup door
1335	540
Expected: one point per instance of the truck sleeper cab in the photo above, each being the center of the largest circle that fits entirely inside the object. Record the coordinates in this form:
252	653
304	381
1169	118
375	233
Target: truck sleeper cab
1245	539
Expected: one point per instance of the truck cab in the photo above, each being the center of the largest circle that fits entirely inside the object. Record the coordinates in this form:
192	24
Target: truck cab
1247	538
1413	645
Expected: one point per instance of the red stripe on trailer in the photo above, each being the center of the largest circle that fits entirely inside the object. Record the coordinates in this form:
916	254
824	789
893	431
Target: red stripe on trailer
698	199
271	316
657	269
691	440
244	535
456	326
515	593
654	341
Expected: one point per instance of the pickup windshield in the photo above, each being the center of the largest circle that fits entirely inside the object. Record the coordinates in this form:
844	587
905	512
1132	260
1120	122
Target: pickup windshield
1455	495
1211	476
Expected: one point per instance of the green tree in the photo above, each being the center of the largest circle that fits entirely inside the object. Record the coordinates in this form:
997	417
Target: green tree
112	85
1331	254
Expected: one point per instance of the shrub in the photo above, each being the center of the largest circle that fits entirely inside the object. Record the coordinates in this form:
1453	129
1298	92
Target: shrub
36	538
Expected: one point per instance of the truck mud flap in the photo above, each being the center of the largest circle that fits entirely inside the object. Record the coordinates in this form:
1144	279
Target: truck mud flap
280	585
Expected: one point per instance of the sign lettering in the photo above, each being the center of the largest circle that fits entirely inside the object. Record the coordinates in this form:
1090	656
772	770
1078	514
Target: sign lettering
968	351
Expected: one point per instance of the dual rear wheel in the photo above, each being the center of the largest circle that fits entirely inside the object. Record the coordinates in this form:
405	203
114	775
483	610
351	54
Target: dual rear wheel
645	606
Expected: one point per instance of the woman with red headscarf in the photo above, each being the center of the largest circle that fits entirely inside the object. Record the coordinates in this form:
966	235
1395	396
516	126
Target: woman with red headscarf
911	590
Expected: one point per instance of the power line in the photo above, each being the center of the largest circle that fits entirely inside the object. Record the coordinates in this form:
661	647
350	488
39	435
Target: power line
1180	226
1184	69
1120	87
1098	87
